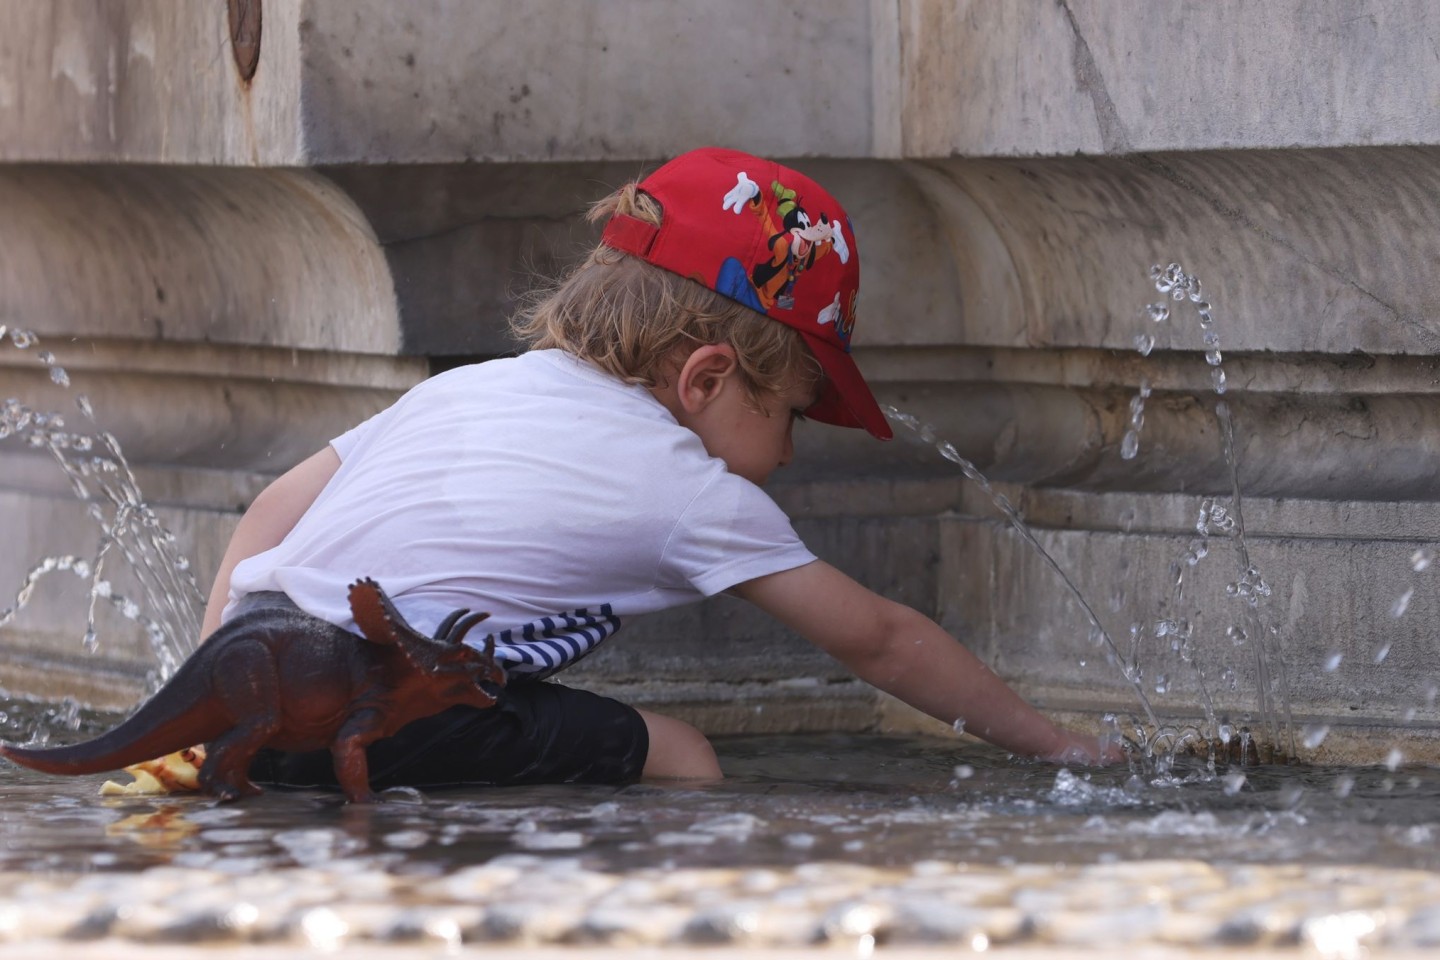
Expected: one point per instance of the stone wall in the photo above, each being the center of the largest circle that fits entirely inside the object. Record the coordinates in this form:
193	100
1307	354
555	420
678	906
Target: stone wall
235	269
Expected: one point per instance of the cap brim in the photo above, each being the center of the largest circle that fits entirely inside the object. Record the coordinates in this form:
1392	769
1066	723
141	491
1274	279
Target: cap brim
845	399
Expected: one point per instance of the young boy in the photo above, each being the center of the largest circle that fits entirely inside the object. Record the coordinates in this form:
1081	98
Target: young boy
614	470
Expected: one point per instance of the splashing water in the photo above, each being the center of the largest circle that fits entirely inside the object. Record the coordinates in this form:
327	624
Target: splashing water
101	478
1217	518
947	450
1130	445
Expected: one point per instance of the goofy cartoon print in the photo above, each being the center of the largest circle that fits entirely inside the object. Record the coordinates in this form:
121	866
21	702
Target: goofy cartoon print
795	244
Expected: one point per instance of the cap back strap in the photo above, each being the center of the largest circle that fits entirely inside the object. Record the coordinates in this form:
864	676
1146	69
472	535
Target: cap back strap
630	234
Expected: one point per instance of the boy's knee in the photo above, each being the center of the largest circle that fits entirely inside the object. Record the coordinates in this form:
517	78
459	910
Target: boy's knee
678	750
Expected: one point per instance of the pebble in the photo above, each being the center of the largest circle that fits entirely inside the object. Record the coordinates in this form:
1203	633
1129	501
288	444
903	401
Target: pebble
530	900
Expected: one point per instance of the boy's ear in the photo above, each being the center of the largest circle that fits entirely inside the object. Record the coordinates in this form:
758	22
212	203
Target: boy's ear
703	375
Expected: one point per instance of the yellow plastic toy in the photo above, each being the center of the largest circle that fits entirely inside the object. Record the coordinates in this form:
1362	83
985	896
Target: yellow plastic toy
177	772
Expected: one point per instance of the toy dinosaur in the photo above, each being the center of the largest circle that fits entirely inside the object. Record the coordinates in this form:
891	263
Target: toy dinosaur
286	680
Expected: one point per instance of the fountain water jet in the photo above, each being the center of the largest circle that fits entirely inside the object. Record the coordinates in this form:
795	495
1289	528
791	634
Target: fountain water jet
101	478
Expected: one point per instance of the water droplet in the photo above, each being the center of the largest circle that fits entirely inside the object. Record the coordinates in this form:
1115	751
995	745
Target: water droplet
83	402
1162	683
1129	445
1144	387
1393	759
1401	604
964	772
959	725
1332	661
1217	377
1233	781
1144	343
1382	651
1205	318
1158	312
23	339
59	376
1213	357
1421	559
1313	735
1343	785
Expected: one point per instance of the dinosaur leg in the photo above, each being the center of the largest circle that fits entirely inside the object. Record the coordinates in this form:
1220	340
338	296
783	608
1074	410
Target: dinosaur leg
352	767
227	761
247	684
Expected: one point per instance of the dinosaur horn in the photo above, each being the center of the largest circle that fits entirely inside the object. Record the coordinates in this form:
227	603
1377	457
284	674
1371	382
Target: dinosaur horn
459	630
443	631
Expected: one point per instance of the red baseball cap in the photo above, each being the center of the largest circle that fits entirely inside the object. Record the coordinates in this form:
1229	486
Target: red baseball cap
771	239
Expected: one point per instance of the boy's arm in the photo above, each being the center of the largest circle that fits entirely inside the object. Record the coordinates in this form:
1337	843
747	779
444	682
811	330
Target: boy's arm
904	653
271	516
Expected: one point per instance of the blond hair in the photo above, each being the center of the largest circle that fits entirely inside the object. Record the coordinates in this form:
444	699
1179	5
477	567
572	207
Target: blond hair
633	319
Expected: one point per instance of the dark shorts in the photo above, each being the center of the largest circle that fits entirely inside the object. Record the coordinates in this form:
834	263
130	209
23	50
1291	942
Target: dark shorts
537	733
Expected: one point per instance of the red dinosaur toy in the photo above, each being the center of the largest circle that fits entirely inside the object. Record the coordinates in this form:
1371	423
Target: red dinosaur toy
287	680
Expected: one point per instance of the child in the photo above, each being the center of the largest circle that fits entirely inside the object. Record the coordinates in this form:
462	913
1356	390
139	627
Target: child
614	470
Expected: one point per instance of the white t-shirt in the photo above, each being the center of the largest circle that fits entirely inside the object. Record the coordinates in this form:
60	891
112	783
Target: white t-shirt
541	489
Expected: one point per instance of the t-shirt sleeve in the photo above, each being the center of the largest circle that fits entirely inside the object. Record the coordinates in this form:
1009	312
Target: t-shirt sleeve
346	443
732	532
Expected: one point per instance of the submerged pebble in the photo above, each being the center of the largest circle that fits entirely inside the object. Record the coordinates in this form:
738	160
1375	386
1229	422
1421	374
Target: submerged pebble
1175	902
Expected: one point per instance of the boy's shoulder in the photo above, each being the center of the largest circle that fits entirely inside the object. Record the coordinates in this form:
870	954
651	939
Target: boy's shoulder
535	368
546	390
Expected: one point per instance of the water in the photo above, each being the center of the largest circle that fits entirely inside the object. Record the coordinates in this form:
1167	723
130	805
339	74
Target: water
815	837
1174	618
946	449
169	602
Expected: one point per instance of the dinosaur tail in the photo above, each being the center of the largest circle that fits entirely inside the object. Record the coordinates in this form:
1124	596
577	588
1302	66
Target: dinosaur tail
169	721
144	736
